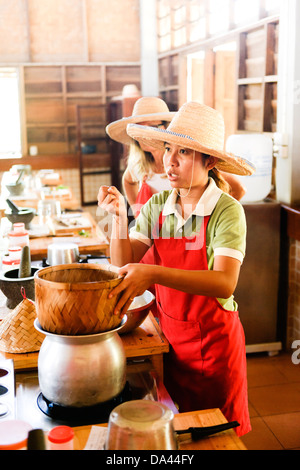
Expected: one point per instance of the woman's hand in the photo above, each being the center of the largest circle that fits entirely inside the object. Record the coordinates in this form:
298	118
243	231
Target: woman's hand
137	278
112	201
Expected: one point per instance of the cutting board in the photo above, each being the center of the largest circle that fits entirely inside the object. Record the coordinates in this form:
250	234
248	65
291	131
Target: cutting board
73	224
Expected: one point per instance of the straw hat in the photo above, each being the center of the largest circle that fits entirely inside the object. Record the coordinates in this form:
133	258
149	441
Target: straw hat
197	127
130	91
145	109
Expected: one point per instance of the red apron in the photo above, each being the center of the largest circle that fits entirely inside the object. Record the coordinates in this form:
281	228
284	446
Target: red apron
206	367
144	194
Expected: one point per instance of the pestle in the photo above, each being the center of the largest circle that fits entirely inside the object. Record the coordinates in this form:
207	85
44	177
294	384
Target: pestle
19	177
12	206
25	264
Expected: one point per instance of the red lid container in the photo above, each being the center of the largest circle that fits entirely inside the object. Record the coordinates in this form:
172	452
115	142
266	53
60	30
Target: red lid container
61	434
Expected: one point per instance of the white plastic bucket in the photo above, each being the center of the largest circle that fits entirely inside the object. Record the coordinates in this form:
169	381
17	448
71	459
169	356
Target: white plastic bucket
258	149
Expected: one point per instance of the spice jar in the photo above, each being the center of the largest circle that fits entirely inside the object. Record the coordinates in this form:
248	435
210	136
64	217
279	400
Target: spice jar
13	259
61	438
14	434
18	236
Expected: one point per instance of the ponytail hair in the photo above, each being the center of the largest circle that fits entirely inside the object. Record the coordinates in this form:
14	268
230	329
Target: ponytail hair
219	180
216	175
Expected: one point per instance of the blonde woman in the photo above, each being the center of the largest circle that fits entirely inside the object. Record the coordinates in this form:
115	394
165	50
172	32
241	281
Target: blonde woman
144	175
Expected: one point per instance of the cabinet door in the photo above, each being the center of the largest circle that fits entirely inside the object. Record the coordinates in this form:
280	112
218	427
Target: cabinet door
225	90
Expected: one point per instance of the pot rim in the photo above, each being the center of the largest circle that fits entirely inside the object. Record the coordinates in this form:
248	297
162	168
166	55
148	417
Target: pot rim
78	338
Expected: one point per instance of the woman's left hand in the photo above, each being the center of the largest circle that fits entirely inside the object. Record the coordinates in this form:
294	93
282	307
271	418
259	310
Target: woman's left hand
137	278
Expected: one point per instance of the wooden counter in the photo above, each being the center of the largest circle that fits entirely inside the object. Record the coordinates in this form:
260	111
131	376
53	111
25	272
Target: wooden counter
146	342
227	440
93	242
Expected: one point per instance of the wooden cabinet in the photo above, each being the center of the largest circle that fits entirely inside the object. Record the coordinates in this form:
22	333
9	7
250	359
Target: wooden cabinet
169	80
257	79
52	94
93	147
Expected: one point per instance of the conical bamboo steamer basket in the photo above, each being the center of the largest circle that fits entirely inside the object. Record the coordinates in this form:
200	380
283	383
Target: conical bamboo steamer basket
72	299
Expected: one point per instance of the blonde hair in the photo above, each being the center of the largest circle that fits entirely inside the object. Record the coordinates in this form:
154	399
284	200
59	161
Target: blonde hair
139	163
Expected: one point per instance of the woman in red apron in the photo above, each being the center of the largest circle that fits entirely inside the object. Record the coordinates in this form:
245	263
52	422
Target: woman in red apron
206	366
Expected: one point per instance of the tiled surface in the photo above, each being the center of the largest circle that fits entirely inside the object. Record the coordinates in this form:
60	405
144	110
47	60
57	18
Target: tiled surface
274	402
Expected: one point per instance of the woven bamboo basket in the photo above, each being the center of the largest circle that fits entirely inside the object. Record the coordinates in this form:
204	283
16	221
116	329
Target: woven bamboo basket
72	299
17	331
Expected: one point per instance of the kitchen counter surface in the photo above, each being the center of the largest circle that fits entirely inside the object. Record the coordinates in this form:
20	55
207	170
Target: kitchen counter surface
146	342
93	242
227	440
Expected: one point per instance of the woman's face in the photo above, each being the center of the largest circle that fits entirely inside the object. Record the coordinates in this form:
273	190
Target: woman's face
186	168
159	125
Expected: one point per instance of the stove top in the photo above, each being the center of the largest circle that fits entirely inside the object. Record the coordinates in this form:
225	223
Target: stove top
102	259
85	415
32	407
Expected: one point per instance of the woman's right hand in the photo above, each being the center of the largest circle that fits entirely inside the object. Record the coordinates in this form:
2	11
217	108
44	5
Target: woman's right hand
111	200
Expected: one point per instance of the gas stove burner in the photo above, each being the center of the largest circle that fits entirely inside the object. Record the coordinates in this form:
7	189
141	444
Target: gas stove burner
82	259
86	415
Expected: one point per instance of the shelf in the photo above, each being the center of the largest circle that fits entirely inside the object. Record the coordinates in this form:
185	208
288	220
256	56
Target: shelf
250	81
257	80
52	93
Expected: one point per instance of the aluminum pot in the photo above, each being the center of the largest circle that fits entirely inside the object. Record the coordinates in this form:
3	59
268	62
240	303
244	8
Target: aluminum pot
82	370
62	253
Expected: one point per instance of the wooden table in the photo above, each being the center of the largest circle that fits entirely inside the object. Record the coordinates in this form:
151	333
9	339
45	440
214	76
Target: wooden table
146	342
227	440
94	241
32	200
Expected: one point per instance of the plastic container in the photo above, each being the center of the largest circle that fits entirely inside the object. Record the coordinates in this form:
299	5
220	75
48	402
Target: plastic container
14	435
258	149
61	438
18	236
11	260
15	253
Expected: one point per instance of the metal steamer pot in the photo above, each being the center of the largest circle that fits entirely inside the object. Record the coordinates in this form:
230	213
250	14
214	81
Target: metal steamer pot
83	370
67	253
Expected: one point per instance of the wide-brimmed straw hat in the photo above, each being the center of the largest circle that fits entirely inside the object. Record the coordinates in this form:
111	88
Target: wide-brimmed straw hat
197	127
145	109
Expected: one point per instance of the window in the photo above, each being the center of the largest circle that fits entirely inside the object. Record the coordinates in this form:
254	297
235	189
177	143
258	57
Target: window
245	11
218	16
10	126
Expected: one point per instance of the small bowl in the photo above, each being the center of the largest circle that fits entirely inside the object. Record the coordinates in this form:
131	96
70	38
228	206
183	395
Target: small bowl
141	425
15	189
62	253
137	312
24	215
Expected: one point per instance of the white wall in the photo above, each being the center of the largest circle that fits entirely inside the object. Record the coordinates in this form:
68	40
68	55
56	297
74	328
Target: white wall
149	62
288	168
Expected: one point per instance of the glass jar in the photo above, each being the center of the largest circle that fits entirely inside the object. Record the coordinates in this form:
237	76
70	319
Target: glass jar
18	236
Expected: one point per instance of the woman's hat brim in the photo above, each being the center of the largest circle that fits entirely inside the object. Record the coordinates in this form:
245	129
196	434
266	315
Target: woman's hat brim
157	137
117	129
